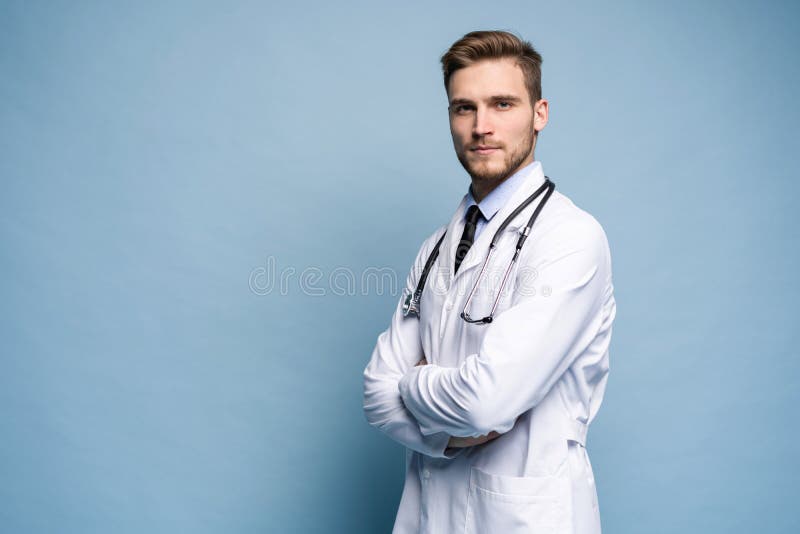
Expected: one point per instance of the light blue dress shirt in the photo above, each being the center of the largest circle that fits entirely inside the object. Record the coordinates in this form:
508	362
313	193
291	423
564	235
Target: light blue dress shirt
498	197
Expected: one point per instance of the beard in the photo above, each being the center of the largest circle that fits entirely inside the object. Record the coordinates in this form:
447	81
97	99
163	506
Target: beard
479	172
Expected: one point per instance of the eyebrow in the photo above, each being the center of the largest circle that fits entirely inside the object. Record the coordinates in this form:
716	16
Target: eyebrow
510	98
493	98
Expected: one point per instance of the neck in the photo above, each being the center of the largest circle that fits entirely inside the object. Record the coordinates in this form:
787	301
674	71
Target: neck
482	186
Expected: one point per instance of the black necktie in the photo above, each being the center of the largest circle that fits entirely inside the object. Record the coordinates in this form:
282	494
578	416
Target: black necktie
473	213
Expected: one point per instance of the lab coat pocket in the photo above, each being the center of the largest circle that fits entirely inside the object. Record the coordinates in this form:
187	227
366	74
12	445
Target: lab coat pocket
511	505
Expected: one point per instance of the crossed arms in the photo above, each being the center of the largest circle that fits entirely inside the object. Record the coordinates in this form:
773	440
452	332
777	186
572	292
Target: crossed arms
528	347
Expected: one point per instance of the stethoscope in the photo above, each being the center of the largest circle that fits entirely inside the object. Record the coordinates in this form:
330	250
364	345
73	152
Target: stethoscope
411	304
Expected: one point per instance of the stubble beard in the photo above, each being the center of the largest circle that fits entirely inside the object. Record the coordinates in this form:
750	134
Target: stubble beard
511	163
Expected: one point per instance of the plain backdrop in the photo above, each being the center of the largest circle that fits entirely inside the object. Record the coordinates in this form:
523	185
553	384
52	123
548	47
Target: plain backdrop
164	165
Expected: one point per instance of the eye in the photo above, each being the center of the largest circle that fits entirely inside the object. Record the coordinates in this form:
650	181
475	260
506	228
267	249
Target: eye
504	105
462	109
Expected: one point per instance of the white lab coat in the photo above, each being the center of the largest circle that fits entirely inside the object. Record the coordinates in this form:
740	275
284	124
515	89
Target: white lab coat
536	374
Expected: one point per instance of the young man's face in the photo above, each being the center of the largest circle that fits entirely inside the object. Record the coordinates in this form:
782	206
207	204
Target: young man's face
491	119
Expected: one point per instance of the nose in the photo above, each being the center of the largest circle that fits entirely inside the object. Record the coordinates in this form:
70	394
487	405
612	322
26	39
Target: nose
482	125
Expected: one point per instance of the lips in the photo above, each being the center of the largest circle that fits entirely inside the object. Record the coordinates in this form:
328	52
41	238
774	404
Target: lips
484	149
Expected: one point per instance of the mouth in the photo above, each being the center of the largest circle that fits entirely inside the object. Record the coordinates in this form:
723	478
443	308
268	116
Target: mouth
484	150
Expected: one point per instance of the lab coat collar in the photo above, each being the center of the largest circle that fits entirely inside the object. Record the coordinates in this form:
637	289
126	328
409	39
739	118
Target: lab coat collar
533	178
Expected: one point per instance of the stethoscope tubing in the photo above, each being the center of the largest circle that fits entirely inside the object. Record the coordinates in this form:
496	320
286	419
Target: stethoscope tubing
412	304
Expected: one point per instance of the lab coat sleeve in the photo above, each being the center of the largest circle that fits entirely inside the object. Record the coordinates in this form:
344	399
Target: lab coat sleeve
399	349
529	346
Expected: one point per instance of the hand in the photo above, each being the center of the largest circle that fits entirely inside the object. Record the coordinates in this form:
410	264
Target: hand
458	443
423	361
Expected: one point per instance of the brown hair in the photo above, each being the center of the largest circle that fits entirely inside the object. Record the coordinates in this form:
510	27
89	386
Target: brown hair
480	45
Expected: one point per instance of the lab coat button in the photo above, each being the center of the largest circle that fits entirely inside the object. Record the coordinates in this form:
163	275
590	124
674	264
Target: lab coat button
449	305
426	474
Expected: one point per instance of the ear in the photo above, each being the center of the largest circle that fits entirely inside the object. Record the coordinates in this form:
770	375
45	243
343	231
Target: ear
541	111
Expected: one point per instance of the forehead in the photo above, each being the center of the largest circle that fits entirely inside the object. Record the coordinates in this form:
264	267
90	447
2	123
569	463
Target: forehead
486	78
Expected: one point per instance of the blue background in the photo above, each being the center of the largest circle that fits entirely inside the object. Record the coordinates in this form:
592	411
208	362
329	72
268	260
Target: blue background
155	158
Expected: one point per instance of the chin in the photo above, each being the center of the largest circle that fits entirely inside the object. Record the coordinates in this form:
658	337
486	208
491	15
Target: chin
487	172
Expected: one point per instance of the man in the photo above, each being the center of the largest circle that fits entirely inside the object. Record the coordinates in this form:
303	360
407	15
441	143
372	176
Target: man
494	413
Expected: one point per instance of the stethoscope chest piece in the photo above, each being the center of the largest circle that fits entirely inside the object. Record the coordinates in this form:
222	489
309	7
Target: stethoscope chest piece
410	303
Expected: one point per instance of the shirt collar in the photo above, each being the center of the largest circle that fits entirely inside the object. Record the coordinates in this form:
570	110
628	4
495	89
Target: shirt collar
501	194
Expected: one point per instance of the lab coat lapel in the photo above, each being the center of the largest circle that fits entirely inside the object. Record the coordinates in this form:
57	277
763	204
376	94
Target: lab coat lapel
477	253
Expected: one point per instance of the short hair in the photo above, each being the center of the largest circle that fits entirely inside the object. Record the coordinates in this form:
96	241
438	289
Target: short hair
495	44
